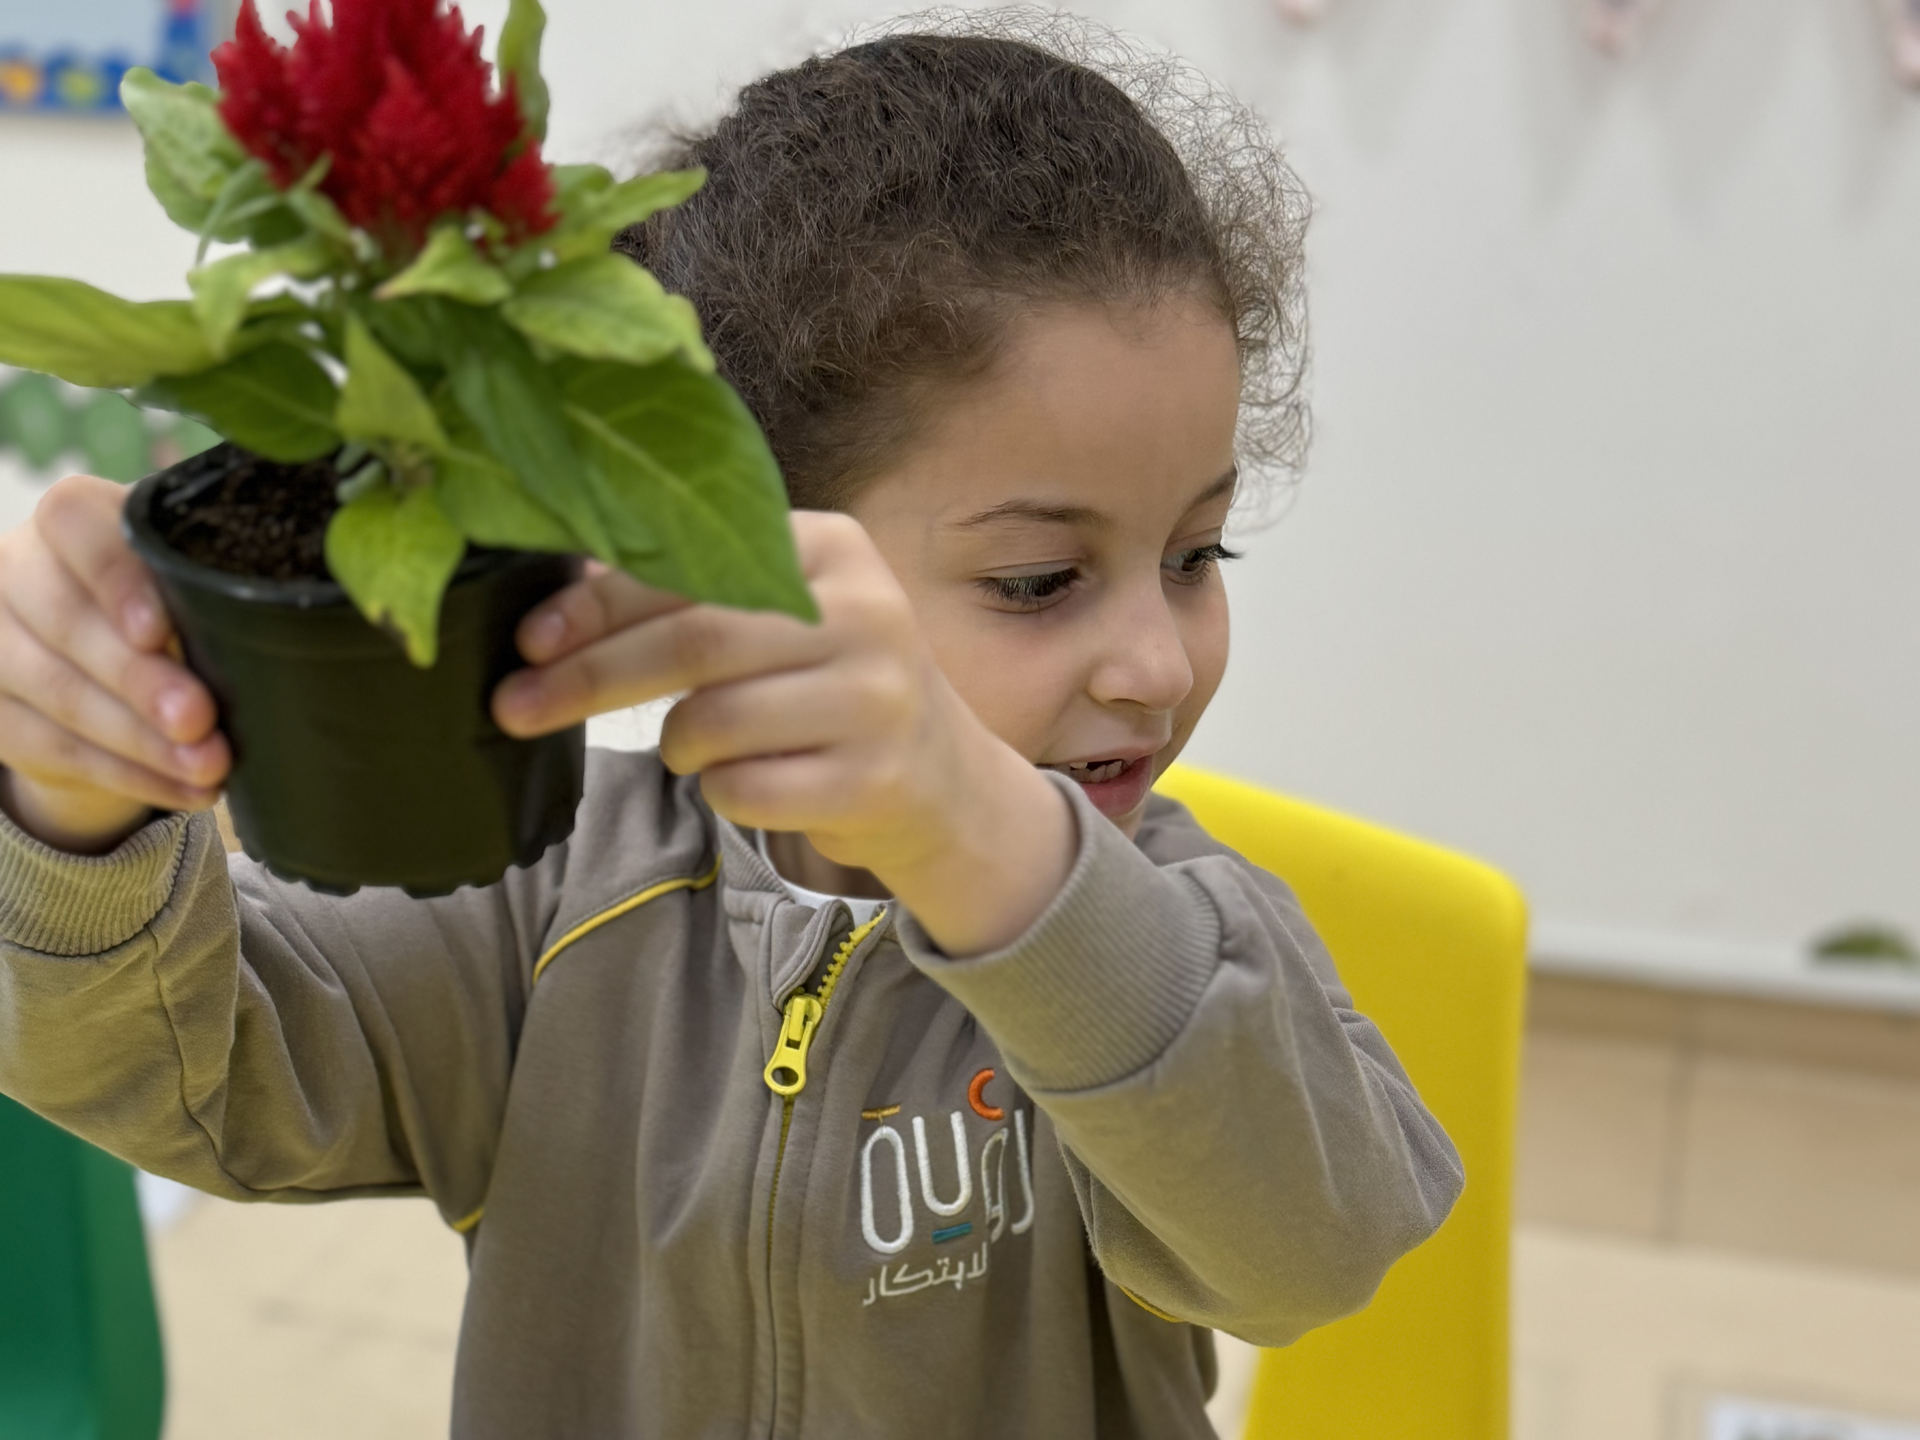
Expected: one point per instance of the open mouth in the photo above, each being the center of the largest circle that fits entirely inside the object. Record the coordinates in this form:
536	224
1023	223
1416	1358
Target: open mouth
1117	785
1092	772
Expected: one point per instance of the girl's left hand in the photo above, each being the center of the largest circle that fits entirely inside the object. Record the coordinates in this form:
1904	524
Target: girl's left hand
845	731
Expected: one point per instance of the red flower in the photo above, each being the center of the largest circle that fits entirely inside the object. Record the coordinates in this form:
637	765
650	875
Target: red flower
396	93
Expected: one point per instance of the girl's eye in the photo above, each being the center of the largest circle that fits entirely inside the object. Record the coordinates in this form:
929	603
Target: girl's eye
1190	567
1028	592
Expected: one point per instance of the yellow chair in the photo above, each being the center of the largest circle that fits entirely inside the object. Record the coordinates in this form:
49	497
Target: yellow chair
1433	947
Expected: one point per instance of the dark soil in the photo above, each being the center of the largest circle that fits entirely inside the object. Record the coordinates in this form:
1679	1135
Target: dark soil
231	510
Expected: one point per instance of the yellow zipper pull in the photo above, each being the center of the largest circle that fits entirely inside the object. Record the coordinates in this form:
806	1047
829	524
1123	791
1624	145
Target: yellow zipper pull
786	1072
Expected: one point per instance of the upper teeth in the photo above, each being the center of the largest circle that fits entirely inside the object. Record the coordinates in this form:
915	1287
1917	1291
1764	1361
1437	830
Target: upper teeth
1093	772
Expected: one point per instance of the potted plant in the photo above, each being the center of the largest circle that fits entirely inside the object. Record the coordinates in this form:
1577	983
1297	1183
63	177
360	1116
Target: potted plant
439	389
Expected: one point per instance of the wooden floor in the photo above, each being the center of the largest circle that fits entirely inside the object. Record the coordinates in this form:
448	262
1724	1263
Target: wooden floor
314	1322
310	1322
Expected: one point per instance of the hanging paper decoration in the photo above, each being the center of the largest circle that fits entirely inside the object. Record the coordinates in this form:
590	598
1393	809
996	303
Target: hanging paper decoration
1616	25
1301	12
1903	20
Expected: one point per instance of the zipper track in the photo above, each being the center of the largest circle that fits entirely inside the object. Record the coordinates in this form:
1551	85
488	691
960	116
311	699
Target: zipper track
829	982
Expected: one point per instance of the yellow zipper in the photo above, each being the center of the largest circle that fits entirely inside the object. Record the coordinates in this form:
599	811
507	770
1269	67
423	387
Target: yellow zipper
786	1072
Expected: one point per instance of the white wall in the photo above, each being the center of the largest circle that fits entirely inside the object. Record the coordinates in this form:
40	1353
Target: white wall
1606	566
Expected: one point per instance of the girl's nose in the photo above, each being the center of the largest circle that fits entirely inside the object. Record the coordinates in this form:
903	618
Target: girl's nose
1143	656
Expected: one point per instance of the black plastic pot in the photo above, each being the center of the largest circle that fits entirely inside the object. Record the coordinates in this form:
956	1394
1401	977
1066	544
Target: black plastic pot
352	766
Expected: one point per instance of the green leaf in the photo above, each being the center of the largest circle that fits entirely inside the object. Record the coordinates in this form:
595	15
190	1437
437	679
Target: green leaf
574	183
450	266
276	227
381	401
89	337
512	402
221	290
393	551
632	201
37	420
186	209
115	439
605	307
588	227
682	450
410	328
490	506
519	61
184	134
319	214
248	194
274	400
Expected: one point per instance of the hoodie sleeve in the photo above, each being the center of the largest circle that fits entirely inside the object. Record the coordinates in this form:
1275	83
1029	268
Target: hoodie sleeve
249	1037
1246	1150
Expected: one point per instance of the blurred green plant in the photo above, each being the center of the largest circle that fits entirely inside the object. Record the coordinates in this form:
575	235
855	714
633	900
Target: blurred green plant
43	420
1867	944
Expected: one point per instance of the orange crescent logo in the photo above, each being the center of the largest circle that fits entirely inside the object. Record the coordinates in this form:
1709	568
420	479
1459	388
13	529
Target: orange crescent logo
979	1104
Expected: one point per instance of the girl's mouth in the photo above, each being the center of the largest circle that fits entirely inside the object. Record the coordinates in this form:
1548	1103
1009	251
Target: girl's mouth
1115	786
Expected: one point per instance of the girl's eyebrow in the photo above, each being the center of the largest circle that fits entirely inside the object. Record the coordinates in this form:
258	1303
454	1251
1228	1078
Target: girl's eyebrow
1222	486
1046	514
1039	510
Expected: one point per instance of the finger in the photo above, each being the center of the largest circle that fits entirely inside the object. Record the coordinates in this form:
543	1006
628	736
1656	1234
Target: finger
80	519
48	754
590	609
63	694
685	649
42	595
768	715
607	600
787	792
828	539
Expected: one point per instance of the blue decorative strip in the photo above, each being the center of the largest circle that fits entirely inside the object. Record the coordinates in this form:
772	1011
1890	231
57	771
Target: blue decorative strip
953	1232
75	80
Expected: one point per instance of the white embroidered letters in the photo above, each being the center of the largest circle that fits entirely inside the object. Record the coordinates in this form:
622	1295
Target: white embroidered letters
867	1229
925	1162
1020	1148
993	1182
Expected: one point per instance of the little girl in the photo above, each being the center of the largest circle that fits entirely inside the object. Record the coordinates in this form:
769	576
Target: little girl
881	1057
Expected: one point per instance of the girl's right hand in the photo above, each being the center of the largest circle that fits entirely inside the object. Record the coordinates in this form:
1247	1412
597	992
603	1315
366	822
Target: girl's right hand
99	725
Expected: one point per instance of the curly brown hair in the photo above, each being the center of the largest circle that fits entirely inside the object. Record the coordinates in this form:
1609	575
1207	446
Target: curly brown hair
874	219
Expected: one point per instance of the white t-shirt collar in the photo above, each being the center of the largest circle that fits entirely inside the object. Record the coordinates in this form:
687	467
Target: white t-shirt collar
862	908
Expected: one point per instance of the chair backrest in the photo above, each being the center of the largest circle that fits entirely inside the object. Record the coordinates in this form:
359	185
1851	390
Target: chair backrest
79	1337
1433	947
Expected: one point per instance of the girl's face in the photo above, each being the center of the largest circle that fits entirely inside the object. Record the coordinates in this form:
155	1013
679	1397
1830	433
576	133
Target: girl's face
1058	530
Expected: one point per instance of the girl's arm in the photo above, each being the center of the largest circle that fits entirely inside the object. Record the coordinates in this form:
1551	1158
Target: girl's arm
1246	1150
251	1038
231	1031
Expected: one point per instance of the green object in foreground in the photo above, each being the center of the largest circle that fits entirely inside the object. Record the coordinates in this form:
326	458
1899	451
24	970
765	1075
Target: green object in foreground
114	439
34	419
79	1337
1867	944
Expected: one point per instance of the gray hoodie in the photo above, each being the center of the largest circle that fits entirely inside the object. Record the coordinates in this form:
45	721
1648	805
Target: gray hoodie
1010	1196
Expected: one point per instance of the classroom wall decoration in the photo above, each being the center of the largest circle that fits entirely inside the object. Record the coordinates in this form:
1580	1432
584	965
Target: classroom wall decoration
1616	25
1903	20
67	56
1301	12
